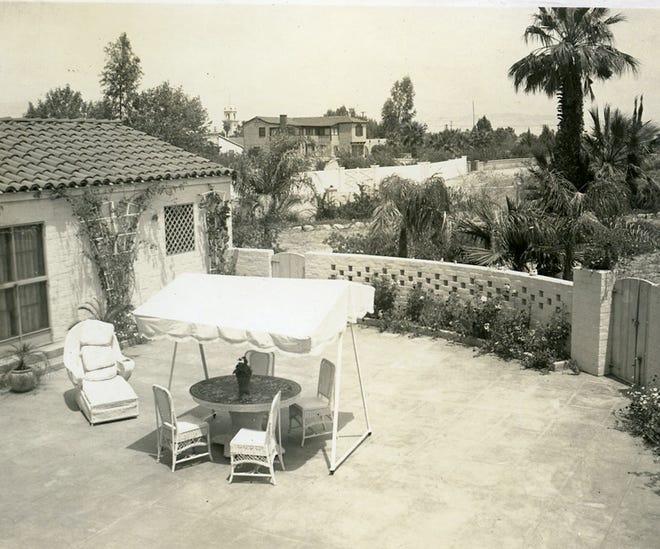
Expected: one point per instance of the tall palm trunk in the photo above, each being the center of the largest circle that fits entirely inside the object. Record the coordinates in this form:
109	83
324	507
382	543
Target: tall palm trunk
569	255
570	112
403	241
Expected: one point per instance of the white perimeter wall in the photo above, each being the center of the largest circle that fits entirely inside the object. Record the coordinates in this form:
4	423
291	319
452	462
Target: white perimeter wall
347	182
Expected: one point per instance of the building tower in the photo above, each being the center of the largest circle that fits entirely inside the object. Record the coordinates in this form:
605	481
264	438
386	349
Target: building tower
229	123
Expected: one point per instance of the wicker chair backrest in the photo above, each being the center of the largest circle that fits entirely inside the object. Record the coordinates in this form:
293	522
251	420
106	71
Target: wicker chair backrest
273	416
326	379
164	405
262	364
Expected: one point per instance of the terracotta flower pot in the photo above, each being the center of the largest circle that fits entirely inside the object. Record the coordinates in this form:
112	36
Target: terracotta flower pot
22	381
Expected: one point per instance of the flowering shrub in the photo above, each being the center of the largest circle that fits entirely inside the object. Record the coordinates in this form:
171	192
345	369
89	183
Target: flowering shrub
509	334
436	314
540	359
642	415
485	313
360	243
415	303
553	336
384	297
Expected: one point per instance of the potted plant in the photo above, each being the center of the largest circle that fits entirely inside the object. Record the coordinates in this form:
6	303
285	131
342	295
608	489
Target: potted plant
243	373
29	365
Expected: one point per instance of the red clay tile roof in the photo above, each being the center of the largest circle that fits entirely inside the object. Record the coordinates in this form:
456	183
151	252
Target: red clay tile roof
40	154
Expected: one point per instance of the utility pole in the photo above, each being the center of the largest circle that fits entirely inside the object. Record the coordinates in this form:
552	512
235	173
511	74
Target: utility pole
473	113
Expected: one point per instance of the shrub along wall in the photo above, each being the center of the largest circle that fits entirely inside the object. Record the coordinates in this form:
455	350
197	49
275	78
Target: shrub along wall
541	295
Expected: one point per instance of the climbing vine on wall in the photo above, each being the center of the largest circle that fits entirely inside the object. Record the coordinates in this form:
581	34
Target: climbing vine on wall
216	217
109	227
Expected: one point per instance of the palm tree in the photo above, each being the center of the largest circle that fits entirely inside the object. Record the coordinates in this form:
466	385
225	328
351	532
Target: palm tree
570	215
619	147
576	48
409	210
512	237
268	186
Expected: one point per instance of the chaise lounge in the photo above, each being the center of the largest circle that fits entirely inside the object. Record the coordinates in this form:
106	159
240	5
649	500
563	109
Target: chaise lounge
99	372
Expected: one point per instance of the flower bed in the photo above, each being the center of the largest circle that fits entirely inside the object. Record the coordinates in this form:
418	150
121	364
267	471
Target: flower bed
642	416
483	320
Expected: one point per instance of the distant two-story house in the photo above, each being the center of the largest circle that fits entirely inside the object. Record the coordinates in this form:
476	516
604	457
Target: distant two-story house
325	136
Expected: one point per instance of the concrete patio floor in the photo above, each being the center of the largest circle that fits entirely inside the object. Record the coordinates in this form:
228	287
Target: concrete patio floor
467	451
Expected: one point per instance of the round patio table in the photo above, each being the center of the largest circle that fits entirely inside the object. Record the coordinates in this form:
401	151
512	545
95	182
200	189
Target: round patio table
220	394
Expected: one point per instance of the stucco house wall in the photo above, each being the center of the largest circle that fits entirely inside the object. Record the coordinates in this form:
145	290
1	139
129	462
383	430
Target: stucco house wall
71	276
251	134
348	137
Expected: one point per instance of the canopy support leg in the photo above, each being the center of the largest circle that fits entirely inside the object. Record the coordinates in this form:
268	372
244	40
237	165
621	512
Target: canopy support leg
335	406
169	385
357	364
334	463
201	352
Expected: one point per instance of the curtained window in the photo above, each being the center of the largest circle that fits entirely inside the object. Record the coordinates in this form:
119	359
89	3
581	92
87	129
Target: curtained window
23	291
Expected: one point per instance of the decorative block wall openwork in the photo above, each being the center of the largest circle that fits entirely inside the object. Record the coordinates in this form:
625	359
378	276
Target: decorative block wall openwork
179	229
541	295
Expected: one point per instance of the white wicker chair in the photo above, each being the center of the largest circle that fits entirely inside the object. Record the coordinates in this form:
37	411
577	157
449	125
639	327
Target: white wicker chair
99	372
179	434
311	411
262	364
258	448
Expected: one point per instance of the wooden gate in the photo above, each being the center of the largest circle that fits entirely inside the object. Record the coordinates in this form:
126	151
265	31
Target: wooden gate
635	331
288	265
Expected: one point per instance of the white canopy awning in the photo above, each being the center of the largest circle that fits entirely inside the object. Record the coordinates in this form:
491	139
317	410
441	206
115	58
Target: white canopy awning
290	314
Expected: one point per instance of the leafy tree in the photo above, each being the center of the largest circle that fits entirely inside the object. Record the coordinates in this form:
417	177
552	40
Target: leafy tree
408	210
481	139
99	109
383	155
547	139
576	48
171	115
59	103
398	109
484	125
121	76
346	159
341	111
268	184
525	145
374	129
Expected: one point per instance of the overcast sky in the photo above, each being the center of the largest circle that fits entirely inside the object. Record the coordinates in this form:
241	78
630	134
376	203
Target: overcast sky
303	58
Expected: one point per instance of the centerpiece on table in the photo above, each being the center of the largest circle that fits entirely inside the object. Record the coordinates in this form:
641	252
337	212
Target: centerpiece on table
243	373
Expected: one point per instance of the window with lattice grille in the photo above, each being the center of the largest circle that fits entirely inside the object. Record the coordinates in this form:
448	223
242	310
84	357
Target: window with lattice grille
179	229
